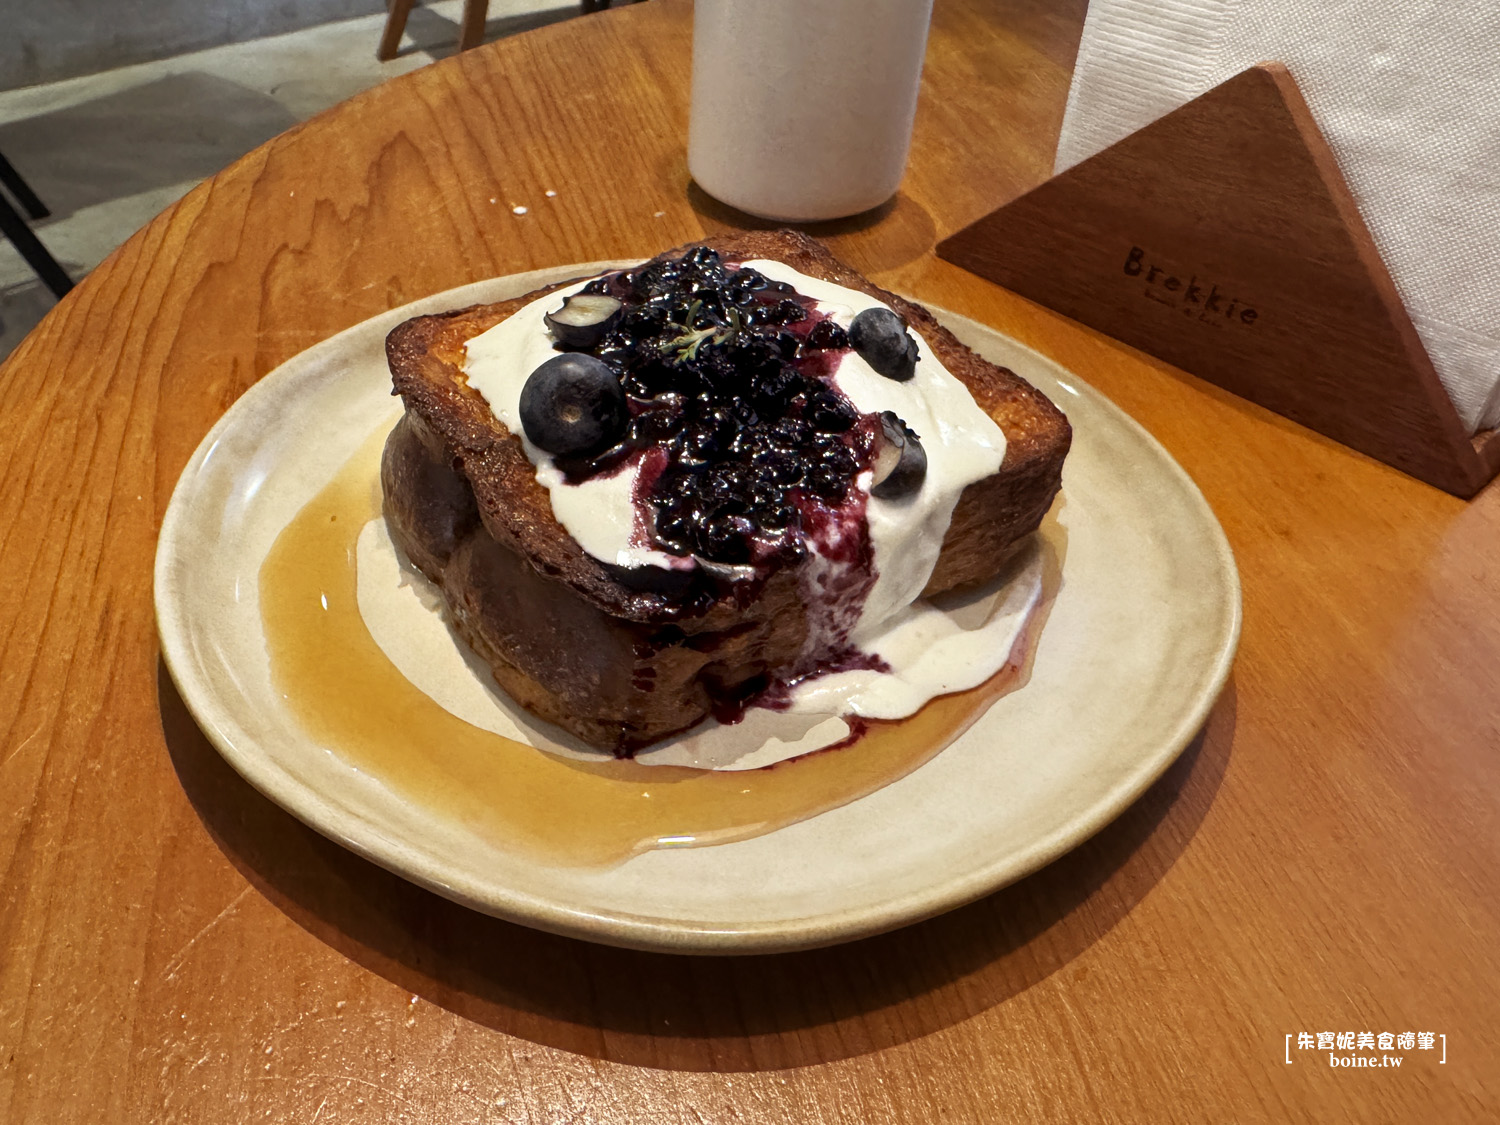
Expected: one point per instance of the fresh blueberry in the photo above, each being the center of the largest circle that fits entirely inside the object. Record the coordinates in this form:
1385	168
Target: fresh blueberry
584	320
900	460
881	340
573	404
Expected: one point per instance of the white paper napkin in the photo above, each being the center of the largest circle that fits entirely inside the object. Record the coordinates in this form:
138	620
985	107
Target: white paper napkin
1407	93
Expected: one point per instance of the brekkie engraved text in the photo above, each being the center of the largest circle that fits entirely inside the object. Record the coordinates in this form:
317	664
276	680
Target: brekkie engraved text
1167	288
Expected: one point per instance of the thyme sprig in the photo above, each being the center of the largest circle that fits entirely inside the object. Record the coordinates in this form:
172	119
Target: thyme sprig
686	346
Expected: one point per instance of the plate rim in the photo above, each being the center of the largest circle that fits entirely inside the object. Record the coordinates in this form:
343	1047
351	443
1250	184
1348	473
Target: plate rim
644	931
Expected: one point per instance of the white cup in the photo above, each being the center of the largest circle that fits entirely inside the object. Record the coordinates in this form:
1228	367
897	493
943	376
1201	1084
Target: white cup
802	109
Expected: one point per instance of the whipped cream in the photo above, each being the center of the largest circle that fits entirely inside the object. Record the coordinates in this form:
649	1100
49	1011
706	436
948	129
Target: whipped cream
963	445
599	512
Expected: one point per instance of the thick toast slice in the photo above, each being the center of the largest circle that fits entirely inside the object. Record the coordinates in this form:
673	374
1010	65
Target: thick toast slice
575	640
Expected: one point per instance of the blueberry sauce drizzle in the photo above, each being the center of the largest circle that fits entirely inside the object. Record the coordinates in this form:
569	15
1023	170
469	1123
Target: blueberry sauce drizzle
730	375
746	449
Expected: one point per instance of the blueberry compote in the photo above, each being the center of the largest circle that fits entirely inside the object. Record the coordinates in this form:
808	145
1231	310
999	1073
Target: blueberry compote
746	446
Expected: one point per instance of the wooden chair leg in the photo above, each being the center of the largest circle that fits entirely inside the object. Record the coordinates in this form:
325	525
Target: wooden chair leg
473	26
395	24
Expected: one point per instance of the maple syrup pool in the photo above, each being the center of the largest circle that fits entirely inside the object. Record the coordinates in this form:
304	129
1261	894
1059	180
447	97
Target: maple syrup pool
348	695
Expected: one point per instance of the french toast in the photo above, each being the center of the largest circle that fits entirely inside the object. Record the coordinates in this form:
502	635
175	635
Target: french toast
622	657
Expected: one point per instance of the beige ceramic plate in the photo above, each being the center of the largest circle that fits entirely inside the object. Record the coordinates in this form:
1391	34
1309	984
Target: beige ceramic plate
1136	648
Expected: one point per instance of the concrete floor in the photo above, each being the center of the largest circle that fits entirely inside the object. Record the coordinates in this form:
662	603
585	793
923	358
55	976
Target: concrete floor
107	152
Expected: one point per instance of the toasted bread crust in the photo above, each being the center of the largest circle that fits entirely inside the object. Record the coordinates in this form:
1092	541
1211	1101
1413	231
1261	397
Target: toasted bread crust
617	666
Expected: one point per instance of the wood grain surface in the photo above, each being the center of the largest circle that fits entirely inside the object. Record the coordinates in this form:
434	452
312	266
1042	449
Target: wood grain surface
175	948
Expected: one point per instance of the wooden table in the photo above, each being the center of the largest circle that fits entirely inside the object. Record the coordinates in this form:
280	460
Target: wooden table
175	948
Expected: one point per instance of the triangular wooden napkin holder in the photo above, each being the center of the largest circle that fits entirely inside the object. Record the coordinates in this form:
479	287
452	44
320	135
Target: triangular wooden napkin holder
1223	239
